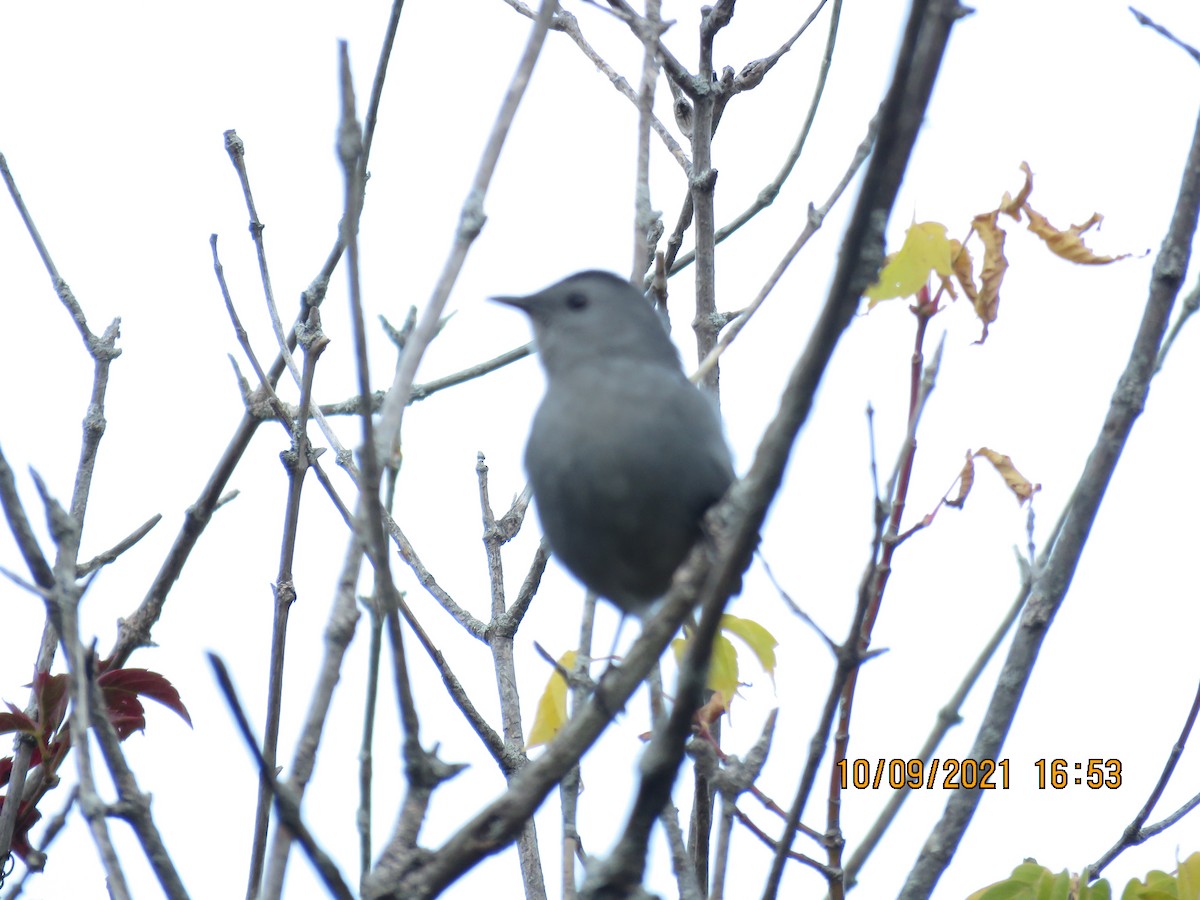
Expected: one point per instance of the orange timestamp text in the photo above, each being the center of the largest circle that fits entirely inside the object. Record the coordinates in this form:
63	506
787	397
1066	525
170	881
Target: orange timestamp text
974	774
948	774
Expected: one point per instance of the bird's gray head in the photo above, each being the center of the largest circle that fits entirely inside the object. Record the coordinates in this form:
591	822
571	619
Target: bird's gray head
592	317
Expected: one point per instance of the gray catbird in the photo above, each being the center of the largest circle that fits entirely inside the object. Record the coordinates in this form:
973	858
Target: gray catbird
625	454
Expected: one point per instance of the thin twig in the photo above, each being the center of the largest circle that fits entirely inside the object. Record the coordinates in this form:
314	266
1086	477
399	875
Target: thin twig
681	864
1144	19
736	777
571	784
566	22
54	827
381	66
285	341
816	217
274	407
297	460
795	607
675	70
1134	833
702	185
60	286
751	75
338	632
429	388
647	224
64	597
366	750
420	391
133	805
1187	309
500	642
285	803
109	555
471	222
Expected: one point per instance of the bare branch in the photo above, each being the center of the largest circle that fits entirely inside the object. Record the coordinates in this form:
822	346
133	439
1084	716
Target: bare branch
103	559
1144	19
647	223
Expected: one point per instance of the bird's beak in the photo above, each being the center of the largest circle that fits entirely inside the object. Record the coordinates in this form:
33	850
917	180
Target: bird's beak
521	303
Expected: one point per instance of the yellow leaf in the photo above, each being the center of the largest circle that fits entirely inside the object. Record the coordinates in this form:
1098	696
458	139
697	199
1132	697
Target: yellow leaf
1017	483
722	666
723	670
552	706
926	249
724	676
760	641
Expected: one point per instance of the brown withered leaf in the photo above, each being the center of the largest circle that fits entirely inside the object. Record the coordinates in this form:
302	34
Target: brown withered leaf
1011	206
964	271
991	274
1017	483
707	714
966	479
1068	242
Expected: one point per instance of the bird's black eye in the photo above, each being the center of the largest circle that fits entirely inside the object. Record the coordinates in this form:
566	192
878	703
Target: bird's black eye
576	300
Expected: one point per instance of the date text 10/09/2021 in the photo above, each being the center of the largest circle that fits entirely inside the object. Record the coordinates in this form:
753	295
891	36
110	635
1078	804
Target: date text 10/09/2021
986	774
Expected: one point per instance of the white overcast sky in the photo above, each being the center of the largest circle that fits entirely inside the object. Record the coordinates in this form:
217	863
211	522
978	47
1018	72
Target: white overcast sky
111	119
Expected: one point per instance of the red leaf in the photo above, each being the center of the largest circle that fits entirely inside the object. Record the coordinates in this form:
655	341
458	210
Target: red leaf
15	720
51	694
27	817
140	683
